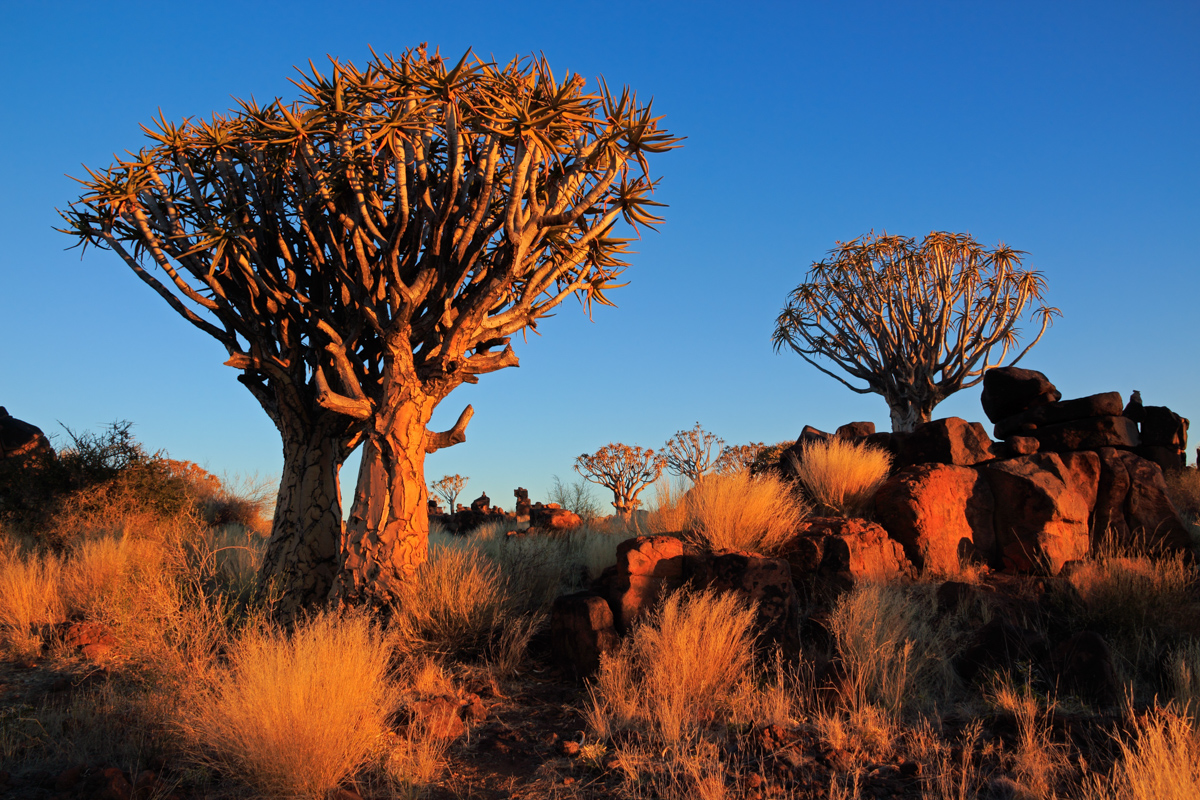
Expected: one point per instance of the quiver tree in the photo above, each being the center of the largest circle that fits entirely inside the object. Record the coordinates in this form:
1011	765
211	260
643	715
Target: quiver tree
365	250
914	323
448	487
689	453
624	470
736	457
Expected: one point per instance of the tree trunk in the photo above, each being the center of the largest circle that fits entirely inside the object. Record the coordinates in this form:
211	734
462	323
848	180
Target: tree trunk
387	534
908	414
301	558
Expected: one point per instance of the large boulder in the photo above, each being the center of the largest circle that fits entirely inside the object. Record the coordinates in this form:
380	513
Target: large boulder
1164	437
1008	391
1088	434
764	581
940	513
581	630
1043	507
1106	404
1132	504
856	430
852	549
647	568
946	441
553	518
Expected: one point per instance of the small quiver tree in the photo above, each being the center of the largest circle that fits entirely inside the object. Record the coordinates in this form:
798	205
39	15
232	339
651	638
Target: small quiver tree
736	457
689	453
624	470
914	323
362	252
448	487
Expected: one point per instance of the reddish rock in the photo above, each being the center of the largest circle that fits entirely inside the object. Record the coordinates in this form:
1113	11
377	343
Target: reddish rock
856	430
581	629
764	581
853	548
554	519
1107	404
1132	504
946	441
90	639
810	433
1167	458
647	567
440	717
21	442
1008	391
1088	434
1022	445
940	513
1043	506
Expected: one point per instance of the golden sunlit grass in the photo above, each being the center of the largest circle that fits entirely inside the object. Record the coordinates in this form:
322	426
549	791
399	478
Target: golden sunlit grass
1160	761
841	476
30	596
893	654
740	511
295	715
681	670
1036	761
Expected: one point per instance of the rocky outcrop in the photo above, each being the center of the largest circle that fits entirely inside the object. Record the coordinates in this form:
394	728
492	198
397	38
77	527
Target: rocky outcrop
946	441
647	568
581	630
1008	391
20	442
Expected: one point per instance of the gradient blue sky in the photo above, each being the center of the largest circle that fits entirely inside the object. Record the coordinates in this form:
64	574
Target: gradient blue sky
1069	130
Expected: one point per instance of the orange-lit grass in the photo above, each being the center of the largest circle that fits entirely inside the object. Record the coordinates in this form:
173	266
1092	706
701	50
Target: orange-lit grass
683	669
740	511
1161	761
841	476
293	715
30	595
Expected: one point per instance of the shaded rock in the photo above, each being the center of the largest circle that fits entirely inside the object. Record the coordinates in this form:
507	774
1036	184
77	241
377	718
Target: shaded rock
1132	504
581	629
946	441
1088	434
1007	391
856	430
765	581
1022	446
647	567
20	442
850	548
940	513
440	717
1107	404
92	640
554	519
1163	427
1167	458
1084	665
810	433
1001	645
1043	505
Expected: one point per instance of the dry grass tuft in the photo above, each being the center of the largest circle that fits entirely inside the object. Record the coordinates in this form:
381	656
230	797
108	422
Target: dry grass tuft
894	655
683	669
740	511
295	715
841	476
1037	762
1161	762
30	596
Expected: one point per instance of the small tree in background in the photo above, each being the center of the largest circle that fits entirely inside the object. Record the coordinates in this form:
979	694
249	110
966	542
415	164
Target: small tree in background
915	323
576	497
737	457
623	470
448	487
689	453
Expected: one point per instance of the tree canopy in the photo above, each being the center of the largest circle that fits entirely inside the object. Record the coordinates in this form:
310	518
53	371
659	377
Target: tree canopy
914	322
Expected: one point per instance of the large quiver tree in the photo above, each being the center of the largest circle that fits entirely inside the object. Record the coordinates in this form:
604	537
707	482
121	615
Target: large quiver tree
394	228
914	323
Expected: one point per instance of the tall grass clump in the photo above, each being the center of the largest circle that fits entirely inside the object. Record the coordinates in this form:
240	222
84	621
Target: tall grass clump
1160	762
30	596
669	513
894	655
294	715
740	511
1183	667
841	476
684	668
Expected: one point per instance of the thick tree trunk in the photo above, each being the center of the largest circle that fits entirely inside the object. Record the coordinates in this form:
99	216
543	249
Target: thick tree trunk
907	414
301	559
387	533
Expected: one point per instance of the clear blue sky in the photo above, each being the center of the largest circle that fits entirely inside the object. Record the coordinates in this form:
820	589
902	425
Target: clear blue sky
1070	130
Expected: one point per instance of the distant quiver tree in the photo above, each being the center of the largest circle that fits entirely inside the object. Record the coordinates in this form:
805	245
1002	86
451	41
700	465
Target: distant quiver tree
625	470
448	488
914	322
363	251
689	453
